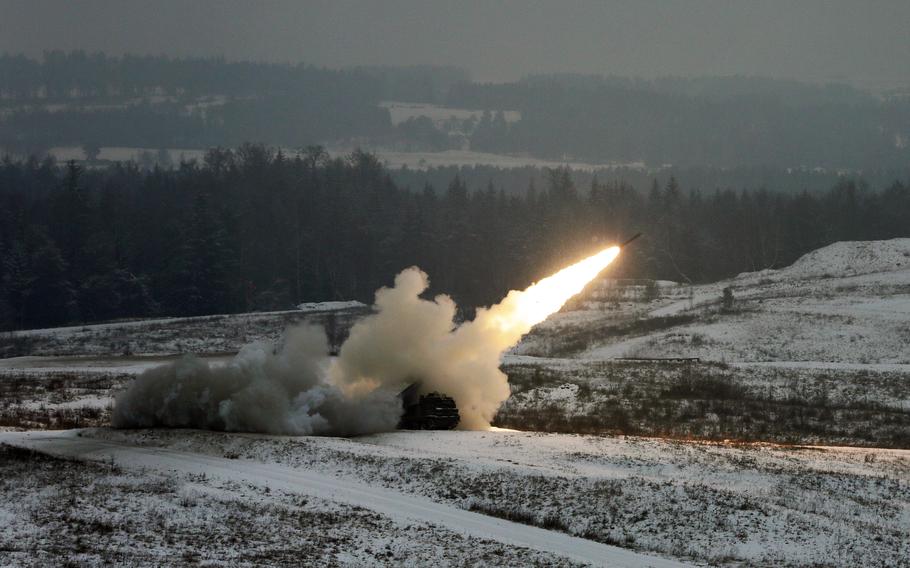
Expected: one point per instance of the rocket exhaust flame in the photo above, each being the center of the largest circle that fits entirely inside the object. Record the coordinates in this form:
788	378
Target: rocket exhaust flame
546	297
297	389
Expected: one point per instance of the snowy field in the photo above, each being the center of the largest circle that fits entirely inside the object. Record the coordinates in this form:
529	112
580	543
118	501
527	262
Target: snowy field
125	153
424	160
413	497
401	111
87	513
392	159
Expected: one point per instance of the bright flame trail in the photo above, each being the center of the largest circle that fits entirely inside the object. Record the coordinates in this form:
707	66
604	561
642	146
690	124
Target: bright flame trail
537	302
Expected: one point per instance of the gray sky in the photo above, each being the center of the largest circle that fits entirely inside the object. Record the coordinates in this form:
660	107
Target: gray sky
862	41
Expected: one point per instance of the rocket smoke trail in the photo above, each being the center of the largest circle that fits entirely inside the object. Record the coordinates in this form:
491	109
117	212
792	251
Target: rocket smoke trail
296	388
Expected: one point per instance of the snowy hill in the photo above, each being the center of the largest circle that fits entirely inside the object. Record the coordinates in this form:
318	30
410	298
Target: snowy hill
845	303
817	351
846	258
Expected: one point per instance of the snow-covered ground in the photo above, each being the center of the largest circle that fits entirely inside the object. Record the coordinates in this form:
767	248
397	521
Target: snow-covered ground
215	334
401	111
391	158
332	306
846	303
830	333
423	160
60	511
716	504
818	351
398	506
125	153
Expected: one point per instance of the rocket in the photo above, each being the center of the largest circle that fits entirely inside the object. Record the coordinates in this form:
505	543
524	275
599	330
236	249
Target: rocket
622	246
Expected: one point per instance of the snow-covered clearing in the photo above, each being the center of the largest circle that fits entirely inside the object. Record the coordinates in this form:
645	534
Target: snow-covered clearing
401	111
332	306
57	511
391	158
289	480
848	303
203	335
818	352
423	160
125	153
720	504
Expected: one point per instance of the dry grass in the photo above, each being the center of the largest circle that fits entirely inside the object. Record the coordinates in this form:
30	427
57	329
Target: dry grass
60	512
51	400
711	402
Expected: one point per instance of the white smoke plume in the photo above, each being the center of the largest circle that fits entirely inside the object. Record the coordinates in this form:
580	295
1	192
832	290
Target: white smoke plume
276	390
413	339
297	389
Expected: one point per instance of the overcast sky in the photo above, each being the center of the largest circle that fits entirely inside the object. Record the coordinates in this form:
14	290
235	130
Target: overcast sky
862	41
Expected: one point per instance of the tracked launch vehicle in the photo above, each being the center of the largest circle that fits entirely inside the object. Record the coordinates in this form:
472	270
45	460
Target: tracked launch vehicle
433	411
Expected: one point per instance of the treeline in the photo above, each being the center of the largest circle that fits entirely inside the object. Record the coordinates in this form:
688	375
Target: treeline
68	76
254	229
716	89
286	120
515	180
93	100
686	123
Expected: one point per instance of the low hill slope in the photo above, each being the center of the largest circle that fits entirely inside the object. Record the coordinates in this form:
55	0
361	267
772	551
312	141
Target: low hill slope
847	303
817	352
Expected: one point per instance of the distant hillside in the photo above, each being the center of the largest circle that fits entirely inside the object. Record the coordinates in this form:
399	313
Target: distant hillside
852	258
153	102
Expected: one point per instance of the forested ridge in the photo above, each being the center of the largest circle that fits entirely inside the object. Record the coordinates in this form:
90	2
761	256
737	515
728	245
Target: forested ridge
95	100
76	75
726	122
257	229
82	99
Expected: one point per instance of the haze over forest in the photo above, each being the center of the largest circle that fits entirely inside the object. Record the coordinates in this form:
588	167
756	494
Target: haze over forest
863	43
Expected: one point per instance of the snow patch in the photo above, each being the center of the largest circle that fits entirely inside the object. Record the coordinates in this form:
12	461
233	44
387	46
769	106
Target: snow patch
845	258
330	306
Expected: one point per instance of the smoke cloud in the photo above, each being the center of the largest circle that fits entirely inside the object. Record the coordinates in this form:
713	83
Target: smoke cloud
296	388
265	388
412	339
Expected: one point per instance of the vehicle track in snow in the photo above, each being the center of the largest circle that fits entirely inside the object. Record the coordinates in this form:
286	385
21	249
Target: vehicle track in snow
396	505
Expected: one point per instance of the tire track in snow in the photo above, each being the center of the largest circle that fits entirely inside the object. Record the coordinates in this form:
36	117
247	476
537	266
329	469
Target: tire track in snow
396	505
